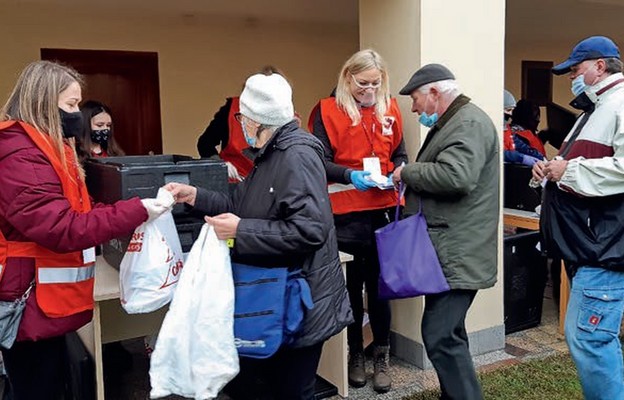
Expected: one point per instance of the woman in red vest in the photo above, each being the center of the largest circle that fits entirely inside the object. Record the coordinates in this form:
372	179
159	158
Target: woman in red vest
225	132
48	226
525	118
361	128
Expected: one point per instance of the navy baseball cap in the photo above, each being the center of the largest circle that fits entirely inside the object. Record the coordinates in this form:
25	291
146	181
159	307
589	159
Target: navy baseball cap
592	48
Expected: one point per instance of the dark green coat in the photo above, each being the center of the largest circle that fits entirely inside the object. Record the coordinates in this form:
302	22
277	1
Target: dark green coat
456	174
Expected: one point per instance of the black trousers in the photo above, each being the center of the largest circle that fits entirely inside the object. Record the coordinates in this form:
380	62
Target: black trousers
446	342
36	370
364	270
290	374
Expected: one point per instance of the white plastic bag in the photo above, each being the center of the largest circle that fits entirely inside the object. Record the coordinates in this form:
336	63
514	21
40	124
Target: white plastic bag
151	267
195	354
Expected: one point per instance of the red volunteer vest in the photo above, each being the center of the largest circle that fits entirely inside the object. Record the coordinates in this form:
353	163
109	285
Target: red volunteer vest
64	283
508	142
233	152
350	144
533	140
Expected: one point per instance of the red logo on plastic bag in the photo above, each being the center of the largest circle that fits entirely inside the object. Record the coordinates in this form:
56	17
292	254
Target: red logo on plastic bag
173	274
593	320
136	242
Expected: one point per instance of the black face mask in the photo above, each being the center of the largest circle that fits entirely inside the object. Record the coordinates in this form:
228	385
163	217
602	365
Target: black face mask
71	123
100	136
507	116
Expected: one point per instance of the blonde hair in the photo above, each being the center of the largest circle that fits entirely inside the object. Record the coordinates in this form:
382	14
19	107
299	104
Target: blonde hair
35	98
361	61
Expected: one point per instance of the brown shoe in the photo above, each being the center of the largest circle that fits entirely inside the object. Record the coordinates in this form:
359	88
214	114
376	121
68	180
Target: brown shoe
381	376
357	372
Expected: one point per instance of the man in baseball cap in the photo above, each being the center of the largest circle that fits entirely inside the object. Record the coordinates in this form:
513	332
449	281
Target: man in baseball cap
583	198
592	48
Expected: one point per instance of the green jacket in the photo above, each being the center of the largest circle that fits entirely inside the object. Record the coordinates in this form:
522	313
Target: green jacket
456	174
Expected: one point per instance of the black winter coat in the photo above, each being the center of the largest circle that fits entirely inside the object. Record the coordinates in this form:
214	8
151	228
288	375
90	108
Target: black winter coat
286	220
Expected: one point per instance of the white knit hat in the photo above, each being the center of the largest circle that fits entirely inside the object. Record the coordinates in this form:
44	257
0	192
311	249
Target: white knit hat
267	99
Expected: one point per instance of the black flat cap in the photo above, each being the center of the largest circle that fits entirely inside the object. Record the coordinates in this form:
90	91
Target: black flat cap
427	74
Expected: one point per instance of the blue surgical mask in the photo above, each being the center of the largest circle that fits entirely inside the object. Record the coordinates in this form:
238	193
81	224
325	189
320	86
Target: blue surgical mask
250	140
578	85
428	120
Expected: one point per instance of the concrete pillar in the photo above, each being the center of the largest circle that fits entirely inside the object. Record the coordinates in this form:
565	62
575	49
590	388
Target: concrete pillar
467	37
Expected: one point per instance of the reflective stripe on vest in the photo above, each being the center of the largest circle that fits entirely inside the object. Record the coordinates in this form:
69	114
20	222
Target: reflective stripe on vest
65	275
339	187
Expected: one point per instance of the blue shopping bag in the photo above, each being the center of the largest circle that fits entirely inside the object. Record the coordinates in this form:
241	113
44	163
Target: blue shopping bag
269	308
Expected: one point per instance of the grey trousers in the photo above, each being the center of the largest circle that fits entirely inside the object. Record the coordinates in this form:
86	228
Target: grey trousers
446	342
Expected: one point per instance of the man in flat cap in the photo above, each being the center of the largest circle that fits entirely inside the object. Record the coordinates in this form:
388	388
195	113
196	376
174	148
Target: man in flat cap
455	180
582	219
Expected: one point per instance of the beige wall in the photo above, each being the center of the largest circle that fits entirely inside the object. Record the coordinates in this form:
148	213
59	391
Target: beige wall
464	36
202	60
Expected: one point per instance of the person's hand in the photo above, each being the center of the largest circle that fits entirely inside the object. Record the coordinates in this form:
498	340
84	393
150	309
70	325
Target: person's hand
396	177
529	160
225	225
233	172
554	170
155	208
538	171
182	193
358	179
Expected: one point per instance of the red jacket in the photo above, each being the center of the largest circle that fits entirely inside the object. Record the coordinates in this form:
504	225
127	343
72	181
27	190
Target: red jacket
34	209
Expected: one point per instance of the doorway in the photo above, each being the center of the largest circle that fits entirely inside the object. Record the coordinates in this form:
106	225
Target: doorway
126	81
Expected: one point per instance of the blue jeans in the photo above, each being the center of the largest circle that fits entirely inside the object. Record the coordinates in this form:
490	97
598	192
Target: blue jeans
592	327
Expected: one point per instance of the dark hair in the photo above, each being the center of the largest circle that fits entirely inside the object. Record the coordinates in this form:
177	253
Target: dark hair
526	114
90	109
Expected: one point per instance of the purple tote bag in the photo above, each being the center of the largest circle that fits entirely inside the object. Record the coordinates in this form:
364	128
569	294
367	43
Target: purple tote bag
408	261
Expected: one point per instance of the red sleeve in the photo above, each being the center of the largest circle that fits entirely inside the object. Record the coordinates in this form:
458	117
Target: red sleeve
33	203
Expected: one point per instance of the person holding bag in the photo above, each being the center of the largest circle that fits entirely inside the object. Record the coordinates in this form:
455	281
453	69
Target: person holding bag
280	216
454	182
362	132
48	226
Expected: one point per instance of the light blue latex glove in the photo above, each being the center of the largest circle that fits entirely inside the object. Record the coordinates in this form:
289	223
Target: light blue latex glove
358	178
529	160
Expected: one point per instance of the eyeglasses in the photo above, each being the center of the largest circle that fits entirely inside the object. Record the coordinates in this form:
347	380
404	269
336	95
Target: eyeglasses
366	85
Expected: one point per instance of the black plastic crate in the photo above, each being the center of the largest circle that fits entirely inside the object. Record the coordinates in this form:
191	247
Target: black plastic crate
517	193
118	178
525	274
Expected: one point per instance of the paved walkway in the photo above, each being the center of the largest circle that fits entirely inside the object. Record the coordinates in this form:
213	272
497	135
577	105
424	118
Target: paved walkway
539	342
